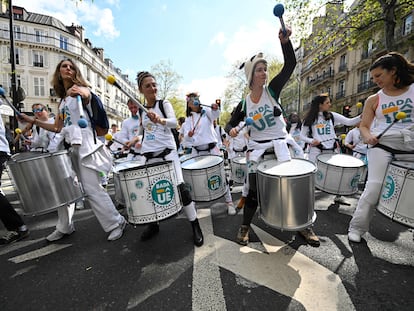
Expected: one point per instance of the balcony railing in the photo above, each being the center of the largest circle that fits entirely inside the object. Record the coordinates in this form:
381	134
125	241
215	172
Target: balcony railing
38	64
366	85
340	94
342	67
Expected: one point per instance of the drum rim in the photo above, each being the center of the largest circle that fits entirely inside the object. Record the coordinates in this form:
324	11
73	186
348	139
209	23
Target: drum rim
35	155
203	168
295	175
395	163
144	166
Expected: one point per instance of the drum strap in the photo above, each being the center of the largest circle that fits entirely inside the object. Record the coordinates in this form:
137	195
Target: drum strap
162	154
209	147
392	150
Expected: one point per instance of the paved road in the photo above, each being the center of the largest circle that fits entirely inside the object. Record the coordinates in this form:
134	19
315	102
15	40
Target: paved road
276	271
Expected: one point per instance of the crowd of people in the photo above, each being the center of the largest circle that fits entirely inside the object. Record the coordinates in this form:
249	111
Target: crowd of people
146	137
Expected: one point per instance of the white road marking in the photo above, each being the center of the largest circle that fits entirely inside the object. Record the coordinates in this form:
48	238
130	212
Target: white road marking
207	287
39	253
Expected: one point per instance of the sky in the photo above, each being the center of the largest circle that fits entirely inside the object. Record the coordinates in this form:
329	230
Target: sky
203	39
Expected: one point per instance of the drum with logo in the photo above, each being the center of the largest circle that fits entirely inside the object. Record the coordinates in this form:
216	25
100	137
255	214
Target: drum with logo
286	193
238	169
206	177
338	173
396	200
44	181
150	191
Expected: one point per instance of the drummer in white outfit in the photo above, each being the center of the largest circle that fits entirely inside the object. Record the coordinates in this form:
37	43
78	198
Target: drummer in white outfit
129	133
395	76
158	145
199	127
319	132
89	158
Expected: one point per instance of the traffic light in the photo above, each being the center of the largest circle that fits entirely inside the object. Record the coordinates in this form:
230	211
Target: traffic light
346	111
218	101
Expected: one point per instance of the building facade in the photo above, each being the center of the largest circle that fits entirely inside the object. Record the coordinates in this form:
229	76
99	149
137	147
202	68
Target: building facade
344	73
40	43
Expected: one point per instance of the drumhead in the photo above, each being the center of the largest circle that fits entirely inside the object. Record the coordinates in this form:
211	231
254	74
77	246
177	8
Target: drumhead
403	164
126	165
239	160
201	162
340	160
294	167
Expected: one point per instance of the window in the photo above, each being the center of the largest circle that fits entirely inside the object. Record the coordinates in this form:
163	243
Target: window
17	32
39	86
18	56
38	59
408	25
342	63
63	42
40	36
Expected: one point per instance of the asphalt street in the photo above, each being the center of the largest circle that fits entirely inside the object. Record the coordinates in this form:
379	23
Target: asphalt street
277	270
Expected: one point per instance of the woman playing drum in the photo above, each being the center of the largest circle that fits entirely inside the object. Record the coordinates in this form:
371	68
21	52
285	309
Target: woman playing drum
395	76
158	145
269	127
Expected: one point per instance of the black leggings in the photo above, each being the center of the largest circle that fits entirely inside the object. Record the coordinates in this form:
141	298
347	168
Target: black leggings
250	205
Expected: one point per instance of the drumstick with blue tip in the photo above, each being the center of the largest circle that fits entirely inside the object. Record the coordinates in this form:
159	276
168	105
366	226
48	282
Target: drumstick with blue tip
399	116
248	121
82	121
112	80
278	11
2	94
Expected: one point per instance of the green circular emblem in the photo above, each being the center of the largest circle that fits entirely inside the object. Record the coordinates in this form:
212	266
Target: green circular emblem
389	187
162	192
214	182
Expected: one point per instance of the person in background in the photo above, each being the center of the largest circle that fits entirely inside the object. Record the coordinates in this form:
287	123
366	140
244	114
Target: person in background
17	230
353	141
89	157
294	127
395	76
129	133
199	129
318	130
158	145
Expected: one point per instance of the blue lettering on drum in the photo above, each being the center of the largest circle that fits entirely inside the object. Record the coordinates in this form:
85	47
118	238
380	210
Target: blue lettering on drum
162	192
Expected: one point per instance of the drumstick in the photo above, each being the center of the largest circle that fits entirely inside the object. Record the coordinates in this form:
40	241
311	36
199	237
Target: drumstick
82	121
112	80
249	121
109	137
198	121
19	132
2	94
399	116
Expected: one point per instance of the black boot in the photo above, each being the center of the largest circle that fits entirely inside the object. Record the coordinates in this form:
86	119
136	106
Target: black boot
151	230
197	234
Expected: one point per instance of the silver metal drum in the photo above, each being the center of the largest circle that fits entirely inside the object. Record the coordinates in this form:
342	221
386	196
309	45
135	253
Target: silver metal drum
44	181
286	193
206	177
396	200
238	169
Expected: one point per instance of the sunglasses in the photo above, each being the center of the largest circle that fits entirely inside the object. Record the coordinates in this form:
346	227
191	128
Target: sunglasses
38	110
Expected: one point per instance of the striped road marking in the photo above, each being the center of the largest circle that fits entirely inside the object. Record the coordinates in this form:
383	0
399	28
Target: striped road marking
39	253
279	268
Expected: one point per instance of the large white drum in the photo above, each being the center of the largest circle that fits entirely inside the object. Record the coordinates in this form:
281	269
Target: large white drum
44	181
338	173
286	193
396	200
238	169
206	177
150	191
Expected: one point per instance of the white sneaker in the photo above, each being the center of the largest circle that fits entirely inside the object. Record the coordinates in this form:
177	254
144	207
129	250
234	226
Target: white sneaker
57	235
340	200
118	231
354	237
230	209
